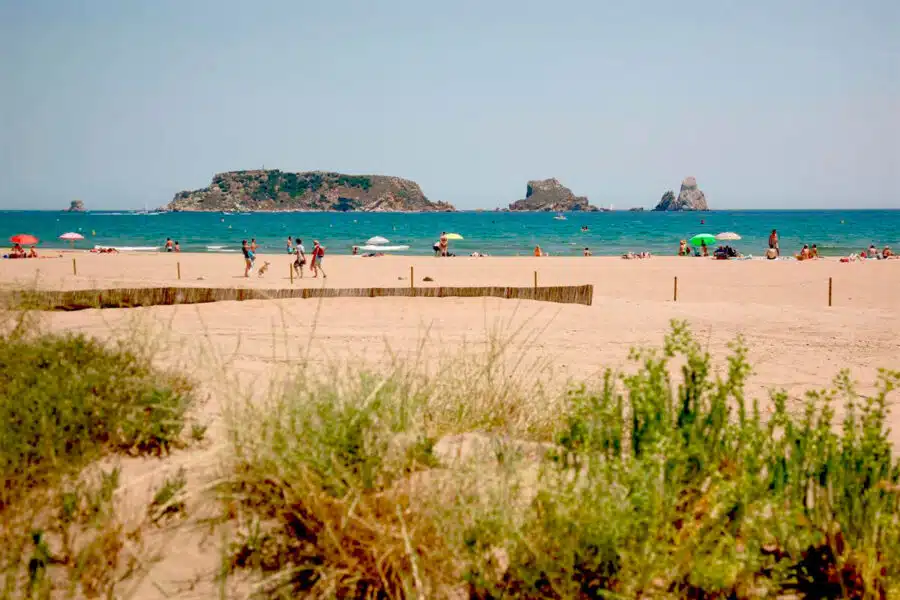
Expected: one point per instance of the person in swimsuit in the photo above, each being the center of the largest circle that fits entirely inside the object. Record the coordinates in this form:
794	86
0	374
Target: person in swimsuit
444	244
169	245
300	257
177	247
290	246
814	251
248	258
318	255
773	242
253	246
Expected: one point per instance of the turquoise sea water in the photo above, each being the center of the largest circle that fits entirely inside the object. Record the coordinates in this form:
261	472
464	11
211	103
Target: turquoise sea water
837	232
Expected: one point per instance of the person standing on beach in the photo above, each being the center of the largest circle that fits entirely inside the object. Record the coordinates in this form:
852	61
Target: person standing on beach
253	245
299	257
290	246
318	255
177	247
773	242
249	256
169	246
444	244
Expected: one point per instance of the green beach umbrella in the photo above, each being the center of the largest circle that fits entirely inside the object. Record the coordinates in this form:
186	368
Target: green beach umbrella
703	238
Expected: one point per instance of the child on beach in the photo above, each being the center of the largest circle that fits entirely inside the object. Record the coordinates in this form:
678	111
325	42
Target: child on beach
318	255
290	246
299	257
249	257
773	242
177	246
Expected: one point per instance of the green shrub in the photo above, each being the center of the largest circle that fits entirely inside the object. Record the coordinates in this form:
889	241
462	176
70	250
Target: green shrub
65	399
653	487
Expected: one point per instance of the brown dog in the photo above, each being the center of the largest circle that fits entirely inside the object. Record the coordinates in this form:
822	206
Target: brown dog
263	269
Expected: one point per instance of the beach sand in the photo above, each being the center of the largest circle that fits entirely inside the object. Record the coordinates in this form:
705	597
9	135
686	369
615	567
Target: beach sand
795	340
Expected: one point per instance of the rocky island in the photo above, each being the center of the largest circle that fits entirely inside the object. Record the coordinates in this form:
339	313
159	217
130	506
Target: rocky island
550	195
690	197
275	190
76	206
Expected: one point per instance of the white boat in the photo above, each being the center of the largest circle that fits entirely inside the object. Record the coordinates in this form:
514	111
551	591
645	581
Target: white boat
382	248
560	217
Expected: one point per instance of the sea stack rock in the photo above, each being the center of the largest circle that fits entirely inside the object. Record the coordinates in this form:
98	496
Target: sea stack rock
550	195
76	206
689	198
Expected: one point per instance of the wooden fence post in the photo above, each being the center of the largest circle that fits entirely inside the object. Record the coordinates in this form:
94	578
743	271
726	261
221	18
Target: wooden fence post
829	291
675	292
535	284
178	266
74	268
412	281
291	272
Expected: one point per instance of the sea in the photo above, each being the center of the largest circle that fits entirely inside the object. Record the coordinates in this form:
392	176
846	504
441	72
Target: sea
835	232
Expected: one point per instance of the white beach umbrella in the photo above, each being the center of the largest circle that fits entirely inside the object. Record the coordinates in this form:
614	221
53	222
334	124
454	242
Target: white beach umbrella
71	237
378	240
728	236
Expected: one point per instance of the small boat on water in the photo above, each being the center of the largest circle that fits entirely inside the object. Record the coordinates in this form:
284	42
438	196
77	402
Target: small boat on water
560	217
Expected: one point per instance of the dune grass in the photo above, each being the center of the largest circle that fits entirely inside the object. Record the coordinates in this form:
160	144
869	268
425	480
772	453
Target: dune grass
649	484
66	401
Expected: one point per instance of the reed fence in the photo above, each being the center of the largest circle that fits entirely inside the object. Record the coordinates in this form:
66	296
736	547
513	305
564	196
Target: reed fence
131	297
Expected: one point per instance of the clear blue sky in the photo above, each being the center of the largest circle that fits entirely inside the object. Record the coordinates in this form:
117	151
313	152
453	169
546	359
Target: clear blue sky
770	103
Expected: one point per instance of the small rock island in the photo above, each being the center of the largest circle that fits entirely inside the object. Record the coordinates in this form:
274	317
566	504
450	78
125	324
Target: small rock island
275	190
76	206
551	195
689	198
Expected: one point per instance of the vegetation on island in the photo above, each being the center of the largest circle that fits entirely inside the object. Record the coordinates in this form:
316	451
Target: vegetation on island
274	189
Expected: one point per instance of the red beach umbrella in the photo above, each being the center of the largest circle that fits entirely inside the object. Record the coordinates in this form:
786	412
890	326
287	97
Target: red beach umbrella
23	239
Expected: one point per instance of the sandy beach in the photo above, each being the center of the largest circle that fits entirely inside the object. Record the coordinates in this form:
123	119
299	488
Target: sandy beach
780	308
236	349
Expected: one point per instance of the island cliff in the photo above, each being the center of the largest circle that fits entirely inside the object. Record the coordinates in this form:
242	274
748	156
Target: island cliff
274	190
689	198
76	206
550	195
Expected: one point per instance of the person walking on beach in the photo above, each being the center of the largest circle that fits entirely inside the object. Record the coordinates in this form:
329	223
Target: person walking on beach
318	255
249	257
299	257
773	242
253	245
290	246
169	246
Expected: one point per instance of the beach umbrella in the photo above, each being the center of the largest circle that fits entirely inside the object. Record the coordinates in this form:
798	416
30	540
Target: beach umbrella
453	236
727	236
71	237
703	238
378	240
23	239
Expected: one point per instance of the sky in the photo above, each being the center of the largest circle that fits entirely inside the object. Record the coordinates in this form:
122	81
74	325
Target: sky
769	104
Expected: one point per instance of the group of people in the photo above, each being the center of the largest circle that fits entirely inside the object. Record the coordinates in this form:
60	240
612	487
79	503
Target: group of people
17	251
442	246
174	246
295	247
